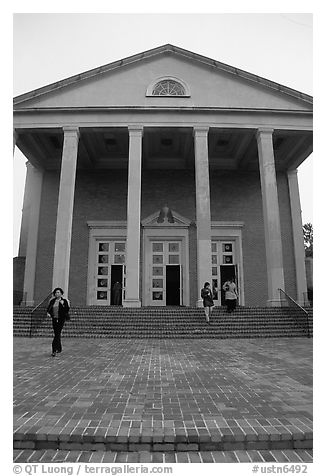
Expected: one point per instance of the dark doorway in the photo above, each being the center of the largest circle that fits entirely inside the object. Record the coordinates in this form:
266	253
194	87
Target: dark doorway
116	290
227	272
172	285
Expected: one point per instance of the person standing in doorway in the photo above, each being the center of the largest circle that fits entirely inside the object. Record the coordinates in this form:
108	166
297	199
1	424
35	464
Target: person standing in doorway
208	302
58	309
117	288
231	294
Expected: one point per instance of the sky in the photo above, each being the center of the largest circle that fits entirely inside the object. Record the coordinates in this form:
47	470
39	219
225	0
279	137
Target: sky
48	47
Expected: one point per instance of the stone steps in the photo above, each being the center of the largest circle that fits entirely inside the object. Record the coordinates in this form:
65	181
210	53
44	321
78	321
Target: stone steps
119	322
153	440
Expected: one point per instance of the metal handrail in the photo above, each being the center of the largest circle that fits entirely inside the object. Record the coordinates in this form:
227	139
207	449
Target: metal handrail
42	302
297	306
38	306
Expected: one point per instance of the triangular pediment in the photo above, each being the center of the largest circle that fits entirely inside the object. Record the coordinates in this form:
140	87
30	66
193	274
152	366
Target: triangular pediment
162	218
125	84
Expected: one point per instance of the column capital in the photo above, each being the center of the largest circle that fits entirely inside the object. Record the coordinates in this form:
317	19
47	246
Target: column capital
292	172
200	130
136	129
264	130
71	130
29	165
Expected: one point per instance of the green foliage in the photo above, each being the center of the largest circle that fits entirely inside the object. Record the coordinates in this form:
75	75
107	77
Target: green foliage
308	238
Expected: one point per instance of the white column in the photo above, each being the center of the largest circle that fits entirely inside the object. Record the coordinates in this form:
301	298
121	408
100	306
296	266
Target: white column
299	252
271	212
34	180
14	140
203	210
65	209
132	298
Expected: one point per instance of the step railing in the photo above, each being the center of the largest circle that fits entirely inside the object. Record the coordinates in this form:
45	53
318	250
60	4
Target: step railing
38	314
285	298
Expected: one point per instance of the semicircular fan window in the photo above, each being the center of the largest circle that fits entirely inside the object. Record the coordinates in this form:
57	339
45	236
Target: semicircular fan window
168	87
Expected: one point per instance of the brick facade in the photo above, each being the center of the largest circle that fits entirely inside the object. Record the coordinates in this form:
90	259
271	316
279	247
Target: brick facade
102	195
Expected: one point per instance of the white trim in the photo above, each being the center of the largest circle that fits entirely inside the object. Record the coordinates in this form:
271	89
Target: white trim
223	230
100	224
227	224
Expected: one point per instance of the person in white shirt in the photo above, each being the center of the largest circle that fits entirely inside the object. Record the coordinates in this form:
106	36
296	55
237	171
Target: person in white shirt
231	294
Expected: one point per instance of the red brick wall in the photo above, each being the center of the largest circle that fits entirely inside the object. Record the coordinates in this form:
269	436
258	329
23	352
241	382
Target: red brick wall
103	196
46	235
18	279
237	197
98	196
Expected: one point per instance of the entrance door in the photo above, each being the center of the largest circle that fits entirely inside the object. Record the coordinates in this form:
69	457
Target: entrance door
172	285
226	273
109	269
224	267
165	273
116	284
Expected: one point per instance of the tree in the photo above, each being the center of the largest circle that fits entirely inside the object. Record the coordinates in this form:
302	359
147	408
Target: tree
308	238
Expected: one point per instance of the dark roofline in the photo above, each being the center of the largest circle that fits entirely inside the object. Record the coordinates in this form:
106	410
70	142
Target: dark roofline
168	48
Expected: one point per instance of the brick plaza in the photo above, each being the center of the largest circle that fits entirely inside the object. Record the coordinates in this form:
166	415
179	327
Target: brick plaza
123	398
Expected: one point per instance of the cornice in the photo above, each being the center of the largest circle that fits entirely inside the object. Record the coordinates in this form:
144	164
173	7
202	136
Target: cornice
160	109
98	224
227	224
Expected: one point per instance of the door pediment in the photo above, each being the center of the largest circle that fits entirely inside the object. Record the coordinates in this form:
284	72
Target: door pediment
166	218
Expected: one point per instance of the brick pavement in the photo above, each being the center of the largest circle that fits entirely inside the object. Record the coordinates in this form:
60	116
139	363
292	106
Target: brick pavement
101	457
160	396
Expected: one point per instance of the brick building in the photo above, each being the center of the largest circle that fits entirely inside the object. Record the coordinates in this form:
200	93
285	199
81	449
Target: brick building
162	171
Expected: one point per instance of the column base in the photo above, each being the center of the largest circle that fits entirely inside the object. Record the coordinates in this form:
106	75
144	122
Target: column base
199	303
276	303
27	304
131	303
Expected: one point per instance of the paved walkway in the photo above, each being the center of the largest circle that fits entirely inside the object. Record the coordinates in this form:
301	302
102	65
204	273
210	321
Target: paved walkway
163	395
94	457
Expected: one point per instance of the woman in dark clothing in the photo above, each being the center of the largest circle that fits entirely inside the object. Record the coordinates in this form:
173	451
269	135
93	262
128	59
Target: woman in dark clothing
117	288
58	309
208	302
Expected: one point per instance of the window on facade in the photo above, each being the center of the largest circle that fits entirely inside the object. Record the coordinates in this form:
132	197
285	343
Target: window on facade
168	87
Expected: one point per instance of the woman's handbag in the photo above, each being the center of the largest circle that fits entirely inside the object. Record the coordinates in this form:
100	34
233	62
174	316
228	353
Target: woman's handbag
67	318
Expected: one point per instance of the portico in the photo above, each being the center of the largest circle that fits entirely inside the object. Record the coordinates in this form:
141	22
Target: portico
168	154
